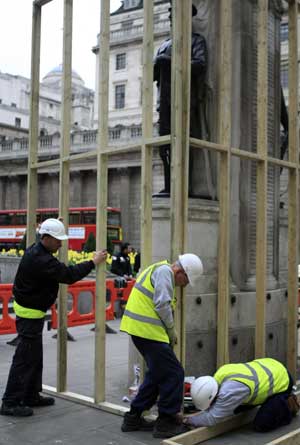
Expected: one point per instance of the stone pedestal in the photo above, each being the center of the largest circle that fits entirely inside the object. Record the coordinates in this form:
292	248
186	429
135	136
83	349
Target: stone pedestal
201	307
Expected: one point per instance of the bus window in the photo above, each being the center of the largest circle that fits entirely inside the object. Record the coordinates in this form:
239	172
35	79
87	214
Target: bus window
88	218
74	218
5	220
19	220
113	234
113	219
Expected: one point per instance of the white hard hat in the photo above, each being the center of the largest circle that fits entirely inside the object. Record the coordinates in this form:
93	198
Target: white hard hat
203	391
53	227
192	265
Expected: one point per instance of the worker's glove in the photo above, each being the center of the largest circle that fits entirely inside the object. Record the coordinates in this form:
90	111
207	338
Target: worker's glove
172	334
293	404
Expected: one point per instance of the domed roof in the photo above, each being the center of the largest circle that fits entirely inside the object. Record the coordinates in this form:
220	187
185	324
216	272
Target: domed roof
55	75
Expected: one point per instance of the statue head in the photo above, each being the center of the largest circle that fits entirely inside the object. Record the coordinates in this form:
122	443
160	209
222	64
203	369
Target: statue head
194	12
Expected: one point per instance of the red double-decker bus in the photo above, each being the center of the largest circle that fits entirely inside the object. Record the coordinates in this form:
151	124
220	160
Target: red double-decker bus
82	221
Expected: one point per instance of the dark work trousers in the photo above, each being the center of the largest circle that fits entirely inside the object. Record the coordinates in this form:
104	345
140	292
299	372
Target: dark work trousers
164	378
25	375
274	412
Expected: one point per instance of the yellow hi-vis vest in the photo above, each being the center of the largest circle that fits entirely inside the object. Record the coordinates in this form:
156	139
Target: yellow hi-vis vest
140	318
263	377
25	312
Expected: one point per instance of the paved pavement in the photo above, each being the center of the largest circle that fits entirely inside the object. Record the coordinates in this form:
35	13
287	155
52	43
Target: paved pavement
70	423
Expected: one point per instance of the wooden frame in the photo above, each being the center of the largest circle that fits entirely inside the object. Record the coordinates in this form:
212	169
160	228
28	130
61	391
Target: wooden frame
180	141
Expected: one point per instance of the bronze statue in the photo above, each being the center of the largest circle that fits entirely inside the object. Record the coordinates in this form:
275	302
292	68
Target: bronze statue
162	75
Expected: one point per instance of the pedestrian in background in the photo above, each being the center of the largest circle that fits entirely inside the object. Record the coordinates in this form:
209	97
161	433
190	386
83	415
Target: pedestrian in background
35	291
121	262
148	319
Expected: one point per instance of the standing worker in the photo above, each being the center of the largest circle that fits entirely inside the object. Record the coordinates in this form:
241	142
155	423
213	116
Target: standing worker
35	290
148	318
240	386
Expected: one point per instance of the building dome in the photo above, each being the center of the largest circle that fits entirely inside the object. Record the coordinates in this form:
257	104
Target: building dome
55	75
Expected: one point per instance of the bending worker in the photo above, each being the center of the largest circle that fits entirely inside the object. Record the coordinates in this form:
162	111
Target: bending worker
240	386
35	290
148	318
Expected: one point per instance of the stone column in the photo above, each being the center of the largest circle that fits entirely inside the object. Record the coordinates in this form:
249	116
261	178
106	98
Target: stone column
75	189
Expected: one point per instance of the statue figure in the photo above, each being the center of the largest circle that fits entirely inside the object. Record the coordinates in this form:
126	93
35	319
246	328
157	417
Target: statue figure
162	75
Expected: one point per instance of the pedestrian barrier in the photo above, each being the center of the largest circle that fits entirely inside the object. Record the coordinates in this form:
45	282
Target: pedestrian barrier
7	322
115	299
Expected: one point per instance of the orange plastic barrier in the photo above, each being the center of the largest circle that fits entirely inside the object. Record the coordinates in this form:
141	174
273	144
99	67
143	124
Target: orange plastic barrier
7	323
75	318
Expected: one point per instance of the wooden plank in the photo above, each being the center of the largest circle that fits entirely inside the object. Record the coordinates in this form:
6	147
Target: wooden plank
224	116
202	434
261	178
32	179
147	129
292	438
64	185
293	192
101	212
180	129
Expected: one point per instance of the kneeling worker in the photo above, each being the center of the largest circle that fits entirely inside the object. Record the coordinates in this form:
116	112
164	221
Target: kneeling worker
240	386
148	318
35	291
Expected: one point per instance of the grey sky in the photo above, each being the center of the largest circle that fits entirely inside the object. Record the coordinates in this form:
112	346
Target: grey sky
15	36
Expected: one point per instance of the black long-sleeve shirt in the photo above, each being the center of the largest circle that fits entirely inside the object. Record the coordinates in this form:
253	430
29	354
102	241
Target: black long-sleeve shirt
39	274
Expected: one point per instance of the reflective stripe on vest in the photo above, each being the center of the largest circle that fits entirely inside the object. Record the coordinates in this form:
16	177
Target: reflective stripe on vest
264	378
140	317
25	312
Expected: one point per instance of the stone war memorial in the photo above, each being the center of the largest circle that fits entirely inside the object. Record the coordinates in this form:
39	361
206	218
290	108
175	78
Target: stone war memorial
203	214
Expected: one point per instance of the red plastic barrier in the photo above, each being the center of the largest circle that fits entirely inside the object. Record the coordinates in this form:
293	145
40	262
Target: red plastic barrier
7	323
75	318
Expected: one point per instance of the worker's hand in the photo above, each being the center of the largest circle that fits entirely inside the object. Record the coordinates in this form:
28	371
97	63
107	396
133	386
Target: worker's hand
172	334
99	257
187	420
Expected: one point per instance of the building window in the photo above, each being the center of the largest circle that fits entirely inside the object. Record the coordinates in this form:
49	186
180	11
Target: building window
121	61
284	77
0	101
120	96
18	122
284	32
127	24
50	106
13	105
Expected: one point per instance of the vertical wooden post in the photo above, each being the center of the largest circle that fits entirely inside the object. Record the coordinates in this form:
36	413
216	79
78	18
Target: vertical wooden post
180	130
224	116
64	182
261	178
293	205
147	127
32	179
101	228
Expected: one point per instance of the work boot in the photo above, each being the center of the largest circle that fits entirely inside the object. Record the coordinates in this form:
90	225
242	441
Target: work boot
40	401
15	410
168	426
136	422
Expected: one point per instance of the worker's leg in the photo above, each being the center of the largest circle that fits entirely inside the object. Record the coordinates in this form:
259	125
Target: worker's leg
26	370
273	414
275	411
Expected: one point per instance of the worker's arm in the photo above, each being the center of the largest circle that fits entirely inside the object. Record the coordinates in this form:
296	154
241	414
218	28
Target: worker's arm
61	273
163	283
231	395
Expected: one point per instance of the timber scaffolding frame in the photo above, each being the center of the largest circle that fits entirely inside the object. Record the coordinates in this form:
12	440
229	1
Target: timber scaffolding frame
180	142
